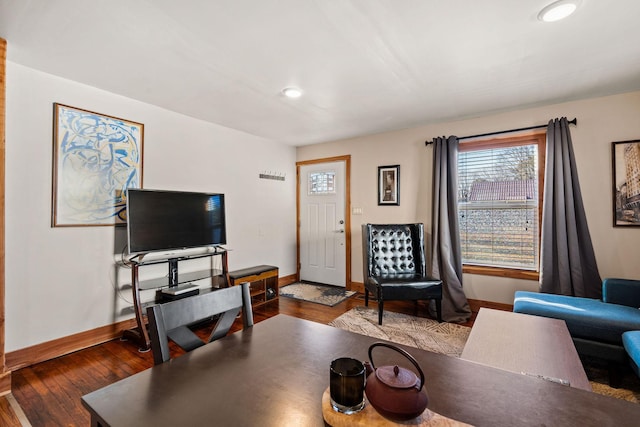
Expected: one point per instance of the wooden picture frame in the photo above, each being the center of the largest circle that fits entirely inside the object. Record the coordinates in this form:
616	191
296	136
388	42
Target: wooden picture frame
96	158
626	183
389	185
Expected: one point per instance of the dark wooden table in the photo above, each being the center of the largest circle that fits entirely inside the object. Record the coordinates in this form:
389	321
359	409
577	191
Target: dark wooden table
527	344
275	373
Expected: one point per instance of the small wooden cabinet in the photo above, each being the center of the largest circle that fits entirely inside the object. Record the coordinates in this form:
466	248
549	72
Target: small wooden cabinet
263	283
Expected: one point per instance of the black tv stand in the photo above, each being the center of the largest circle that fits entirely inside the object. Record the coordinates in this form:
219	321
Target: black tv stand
175	286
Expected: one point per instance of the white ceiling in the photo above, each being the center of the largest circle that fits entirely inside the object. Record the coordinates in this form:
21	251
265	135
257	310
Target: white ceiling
366	66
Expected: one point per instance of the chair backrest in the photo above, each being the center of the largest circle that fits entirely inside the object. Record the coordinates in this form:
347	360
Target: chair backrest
393	249
170	321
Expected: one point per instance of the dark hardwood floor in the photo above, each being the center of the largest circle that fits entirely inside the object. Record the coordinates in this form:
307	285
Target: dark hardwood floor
49	393
8	416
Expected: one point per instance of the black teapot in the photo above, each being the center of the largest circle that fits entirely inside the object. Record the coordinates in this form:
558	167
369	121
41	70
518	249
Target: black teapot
395	392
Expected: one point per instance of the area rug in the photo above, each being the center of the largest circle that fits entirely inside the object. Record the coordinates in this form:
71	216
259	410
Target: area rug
450	338
427	334
320	294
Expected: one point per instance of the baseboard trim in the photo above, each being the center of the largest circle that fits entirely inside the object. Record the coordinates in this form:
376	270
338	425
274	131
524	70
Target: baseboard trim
55	348
476	305
286	280
356	286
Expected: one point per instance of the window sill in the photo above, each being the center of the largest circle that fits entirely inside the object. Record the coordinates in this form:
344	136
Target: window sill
501	272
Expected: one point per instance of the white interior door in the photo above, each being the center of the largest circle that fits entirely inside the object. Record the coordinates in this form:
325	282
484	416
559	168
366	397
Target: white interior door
322	223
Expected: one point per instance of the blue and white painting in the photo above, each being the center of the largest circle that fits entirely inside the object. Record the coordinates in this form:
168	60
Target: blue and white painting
96	159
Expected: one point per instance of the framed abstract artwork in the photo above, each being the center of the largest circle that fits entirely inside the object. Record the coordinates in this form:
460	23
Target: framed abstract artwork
389	185
626	183
96	158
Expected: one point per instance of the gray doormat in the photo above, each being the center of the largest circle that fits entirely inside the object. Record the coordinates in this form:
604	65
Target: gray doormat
319	294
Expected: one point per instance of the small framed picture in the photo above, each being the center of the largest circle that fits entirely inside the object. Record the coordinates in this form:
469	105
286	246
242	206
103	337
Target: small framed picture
626	183
389	185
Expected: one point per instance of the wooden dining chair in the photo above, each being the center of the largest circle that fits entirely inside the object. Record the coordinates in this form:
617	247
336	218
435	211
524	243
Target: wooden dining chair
171	321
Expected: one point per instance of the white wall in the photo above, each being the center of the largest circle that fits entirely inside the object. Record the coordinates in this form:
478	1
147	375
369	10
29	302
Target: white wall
61	281
600	122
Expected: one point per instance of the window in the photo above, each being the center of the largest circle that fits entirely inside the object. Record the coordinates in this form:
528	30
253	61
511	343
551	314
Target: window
322	183
499	205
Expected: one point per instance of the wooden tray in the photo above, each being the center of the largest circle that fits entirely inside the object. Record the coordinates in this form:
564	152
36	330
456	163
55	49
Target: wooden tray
370	417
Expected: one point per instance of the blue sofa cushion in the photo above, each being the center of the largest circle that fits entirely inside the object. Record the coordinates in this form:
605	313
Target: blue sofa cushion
585	317
631	342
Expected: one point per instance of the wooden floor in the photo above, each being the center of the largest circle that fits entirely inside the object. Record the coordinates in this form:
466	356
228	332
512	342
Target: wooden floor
49	393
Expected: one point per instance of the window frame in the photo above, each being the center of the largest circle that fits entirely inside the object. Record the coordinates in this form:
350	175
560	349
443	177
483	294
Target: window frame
534	138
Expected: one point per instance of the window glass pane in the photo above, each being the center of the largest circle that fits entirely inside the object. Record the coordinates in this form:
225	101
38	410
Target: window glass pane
322	183
498	207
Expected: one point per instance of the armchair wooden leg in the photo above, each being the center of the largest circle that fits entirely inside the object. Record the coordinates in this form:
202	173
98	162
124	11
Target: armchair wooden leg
366	297
380	309
439	309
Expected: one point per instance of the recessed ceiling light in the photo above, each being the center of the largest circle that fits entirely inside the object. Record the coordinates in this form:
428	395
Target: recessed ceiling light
558	10
292	92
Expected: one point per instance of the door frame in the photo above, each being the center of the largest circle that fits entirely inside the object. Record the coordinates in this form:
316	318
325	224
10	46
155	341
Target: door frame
5	376
347	210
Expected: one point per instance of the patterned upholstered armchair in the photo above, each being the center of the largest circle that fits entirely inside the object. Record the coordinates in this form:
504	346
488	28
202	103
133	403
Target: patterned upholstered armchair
394	266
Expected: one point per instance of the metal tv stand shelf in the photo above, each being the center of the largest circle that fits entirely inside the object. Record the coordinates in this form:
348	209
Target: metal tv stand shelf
173	287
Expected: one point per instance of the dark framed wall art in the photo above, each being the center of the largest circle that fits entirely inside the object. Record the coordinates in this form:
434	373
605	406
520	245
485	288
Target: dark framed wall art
626	183
389	185
96	158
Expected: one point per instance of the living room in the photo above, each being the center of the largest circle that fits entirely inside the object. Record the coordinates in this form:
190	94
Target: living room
64	281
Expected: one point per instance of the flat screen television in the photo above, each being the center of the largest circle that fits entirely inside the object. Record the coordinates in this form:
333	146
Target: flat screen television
161	220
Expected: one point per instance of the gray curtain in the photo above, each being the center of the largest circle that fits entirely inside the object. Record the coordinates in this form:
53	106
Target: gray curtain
446	253
567	261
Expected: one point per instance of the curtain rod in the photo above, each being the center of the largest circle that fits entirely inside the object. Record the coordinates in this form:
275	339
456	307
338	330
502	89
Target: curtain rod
574	121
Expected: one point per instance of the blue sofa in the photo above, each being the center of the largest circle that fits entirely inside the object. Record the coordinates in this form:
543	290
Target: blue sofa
631	342
596	326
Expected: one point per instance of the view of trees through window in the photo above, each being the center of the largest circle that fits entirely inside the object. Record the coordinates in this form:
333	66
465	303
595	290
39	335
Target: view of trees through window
498	205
